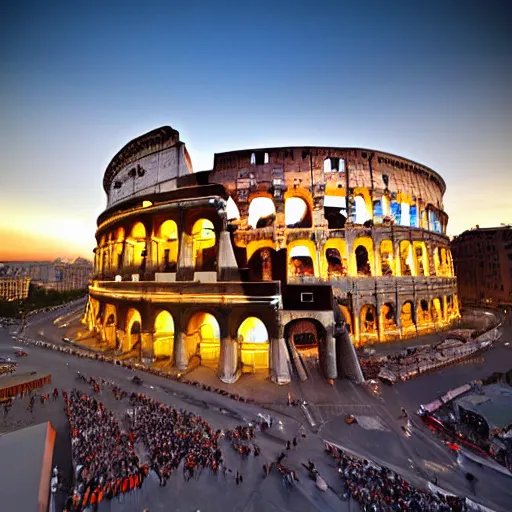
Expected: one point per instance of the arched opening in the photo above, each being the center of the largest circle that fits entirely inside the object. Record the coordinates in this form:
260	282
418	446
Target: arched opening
386	257
163	338
406	259
408	316
347	317
109	327
133	330
335	211
296	213
118	249
424	313
203	246
262	212
254	344
203	339
261	264
437	261
335	266
306	341
232	211
395	212
137	244
420	253
362	261
300	262
388	317
368	323
168	244
362	214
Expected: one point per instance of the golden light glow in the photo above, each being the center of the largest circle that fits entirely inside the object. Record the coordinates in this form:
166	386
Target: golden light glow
163	337
146	204
386	258
367	243
332	271
204	332
168	243
407	266
254	344
260	207
203	238
300	250
295	210
133	323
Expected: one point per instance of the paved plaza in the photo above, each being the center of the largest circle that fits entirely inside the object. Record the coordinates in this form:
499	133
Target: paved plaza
379	435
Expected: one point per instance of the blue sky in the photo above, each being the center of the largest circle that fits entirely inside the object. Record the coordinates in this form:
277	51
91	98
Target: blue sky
430	81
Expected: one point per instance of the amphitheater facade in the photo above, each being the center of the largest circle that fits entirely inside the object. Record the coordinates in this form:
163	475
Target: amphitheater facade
278	260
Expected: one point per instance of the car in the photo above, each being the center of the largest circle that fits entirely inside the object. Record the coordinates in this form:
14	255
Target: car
21	353
66	340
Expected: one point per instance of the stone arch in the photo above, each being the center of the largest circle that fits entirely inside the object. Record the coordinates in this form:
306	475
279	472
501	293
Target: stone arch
204	251
297	213
163	337
133	330
424	315
254	342
363	257
368	320
232	211
334	258
386	258
407	267
262	212
137	245
262	264
168	245
388	317
347	317
305	333
421	258
302	260
110	325
203	338
408	316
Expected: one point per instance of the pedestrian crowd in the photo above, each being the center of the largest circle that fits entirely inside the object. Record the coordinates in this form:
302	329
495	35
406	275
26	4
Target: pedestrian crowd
378	489
104	458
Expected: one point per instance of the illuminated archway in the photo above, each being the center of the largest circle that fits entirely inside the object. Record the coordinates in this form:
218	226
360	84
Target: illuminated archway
368	323
261	264
133	329
302	259
163	338
137	244
405	214
347	317
335	209
254	344
168	245
407	267
109	324
363	260
437	310
386	258
408	317
203	338
334	258
262	212
421	258
305	334
296	213
424	315
203	245
388	317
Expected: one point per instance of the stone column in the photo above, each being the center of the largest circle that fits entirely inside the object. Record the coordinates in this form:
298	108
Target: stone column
228	364
147	350
330	366
180	352
396	258
227	267
380	323
185	271
279	364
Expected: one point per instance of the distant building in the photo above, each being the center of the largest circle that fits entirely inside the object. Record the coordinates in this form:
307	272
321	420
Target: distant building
51	275
14	288
483	264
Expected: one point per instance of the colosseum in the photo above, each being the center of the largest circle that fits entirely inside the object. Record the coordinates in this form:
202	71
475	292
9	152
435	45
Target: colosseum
278	260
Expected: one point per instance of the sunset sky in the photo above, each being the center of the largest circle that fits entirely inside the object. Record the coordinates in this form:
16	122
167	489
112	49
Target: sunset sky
430	81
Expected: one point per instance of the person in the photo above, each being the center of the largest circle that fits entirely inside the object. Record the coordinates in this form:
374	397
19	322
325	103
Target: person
295	442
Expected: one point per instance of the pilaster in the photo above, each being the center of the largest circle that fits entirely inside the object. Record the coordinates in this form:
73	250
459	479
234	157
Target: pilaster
180	352
228	364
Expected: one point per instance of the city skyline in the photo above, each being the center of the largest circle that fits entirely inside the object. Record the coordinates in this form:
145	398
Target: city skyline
428	82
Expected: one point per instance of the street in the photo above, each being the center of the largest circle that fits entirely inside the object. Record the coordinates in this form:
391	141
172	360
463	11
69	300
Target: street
378	435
